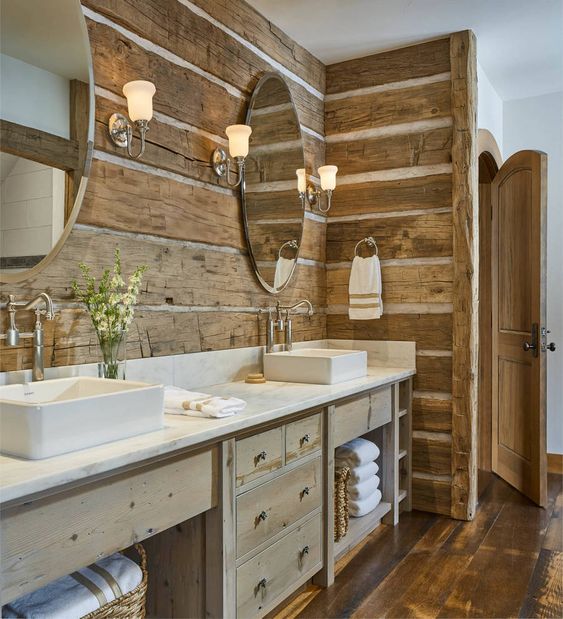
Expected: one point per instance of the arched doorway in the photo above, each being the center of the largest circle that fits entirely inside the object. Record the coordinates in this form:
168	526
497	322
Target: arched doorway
490	161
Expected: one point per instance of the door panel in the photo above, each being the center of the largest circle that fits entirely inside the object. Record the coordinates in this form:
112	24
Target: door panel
518	198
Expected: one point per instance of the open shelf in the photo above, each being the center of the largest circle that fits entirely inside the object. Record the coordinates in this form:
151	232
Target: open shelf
402	495
402	454
358	528
403	412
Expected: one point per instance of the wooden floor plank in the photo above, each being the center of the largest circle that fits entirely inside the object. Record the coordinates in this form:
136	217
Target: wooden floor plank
507	562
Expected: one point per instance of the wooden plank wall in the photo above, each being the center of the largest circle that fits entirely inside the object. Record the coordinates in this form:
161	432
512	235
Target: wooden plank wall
168	210
388	124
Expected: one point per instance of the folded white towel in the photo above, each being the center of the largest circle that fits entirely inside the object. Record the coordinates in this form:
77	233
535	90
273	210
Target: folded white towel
359	492
356	452
67	598
364	289
361	508
358	474
284	266
182	402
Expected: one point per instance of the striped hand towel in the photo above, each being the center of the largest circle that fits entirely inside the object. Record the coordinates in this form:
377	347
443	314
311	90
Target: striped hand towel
365	289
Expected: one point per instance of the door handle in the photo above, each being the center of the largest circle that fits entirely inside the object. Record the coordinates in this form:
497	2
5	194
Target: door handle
551	346
533	345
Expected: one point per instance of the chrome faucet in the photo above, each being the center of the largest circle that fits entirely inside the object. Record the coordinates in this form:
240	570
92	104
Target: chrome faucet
13	335
283	322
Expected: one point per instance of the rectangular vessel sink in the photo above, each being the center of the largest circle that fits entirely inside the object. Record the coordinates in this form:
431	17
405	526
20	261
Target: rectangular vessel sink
321	366
52	417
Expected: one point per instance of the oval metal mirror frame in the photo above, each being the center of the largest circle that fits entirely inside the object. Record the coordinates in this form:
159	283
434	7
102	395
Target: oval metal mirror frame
269	288
20	276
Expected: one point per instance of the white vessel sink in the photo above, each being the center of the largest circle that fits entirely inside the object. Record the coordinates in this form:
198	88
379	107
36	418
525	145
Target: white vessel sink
321	366
43	419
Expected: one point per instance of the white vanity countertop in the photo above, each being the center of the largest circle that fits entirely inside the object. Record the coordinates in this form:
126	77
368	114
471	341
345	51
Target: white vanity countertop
266	402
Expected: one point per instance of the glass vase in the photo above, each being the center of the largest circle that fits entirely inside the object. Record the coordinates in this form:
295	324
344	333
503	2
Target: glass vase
113	347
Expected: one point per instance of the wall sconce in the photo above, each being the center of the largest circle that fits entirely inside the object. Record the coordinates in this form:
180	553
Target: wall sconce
139	94
238	149
313	195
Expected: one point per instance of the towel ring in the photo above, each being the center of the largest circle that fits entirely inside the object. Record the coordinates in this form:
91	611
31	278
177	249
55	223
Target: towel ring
293	244
370	242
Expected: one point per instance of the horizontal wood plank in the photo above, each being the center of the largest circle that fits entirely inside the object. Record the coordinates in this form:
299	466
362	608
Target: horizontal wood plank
386	153
411	236
431	414
429	331
433	374
390	196
415	61
391	107
401	284
432	457
431	496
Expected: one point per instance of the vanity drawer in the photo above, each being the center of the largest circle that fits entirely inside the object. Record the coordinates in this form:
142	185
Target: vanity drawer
268	509
258	455
265	580
302	437
356	417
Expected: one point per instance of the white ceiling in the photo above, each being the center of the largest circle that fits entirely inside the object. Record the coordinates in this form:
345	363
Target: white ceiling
519	42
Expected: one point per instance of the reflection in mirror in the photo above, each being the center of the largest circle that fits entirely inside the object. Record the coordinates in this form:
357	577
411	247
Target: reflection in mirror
45	126
273	210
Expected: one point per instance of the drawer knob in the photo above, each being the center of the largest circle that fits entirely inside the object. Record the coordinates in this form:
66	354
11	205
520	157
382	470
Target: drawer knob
262	515
305	491
261	456
305	551
306	439
262	584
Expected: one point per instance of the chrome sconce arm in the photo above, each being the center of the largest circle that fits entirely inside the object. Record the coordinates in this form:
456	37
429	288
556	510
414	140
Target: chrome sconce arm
314	196
222	167
121	132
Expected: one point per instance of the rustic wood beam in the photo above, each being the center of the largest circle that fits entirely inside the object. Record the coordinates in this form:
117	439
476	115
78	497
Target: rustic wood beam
463	61
39	146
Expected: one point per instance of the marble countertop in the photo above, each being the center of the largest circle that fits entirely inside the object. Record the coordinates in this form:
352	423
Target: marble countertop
266	402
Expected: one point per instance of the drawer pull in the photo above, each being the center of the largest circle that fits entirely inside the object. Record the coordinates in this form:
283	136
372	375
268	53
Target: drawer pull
305	491
262	584
305	551
261	456
305	439
262	515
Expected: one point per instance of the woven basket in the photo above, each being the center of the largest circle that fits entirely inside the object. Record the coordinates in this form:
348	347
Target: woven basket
132	604
341	516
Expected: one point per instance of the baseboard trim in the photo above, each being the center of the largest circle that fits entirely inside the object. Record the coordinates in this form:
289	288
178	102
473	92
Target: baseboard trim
555	463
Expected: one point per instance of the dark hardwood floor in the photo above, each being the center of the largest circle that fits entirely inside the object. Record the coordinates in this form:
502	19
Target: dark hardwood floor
508	562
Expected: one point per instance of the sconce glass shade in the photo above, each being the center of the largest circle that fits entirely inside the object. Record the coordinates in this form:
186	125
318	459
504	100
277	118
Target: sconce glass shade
139	95
301	180
328	177
238	139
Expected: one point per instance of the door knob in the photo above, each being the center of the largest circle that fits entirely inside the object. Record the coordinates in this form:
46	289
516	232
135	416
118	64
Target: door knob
527	346
551	346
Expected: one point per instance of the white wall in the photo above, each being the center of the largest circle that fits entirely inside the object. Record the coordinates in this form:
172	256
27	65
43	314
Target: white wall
489	107
537	123
36	98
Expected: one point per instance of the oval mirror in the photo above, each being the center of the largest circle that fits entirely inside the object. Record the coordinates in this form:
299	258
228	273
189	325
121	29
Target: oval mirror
46	129
273	212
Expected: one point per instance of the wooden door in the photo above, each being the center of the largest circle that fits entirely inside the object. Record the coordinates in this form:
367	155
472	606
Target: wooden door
518	195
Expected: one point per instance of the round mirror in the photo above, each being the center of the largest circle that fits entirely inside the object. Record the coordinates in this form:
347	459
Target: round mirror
273	211
46	129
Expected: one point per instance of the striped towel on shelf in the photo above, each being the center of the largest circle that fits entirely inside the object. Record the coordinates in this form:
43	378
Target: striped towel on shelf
365	289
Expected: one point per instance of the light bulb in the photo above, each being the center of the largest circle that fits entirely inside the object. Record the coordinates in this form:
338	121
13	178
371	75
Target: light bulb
301	180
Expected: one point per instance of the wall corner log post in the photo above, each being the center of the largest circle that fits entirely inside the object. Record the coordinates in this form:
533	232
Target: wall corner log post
466	274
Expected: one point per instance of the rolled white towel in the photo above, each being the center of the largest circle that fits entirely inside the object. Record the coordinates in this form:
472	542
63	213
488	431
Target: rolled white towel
182	402
356	452
68	598
358	474
357	509
359	492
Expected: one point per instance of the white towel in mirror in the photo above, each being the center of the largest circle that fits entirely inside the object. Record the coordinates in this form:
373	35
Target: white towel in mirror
284	266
